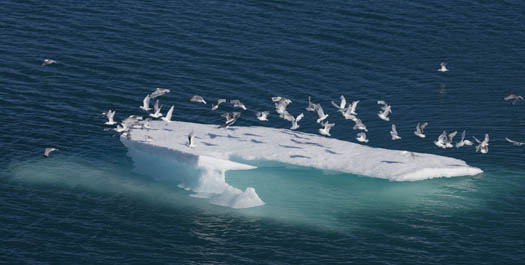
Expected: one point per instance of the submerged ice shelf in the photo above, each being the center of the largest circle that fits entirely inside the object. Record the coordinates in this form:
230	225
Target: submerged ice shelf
249	146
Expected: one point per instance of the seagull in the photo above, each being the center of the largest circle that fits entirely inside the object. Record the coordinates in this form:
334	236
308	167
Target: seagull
463	142
441	141
156	110
262	116
281	104
326	130
320	113
443	67
448	141
237	104
483	146
145	103
146	124
386	110
48	151
191	142
110	114
351	107
198	99
159	92
167	118
121	128
219	102
419	130
341	107
231	118
359	125
132	119
513	97
394	134
148	138
361	137
311	106
515	143
48	62
287	116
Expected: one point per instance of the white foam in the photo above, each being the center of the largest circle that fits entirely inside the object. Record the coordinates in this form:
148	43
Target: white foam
215	148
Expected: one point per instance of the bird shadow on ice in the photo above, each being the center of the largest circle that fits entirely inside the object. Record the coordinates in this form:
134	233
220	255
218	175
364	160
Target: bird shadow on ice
290	146
331	152
252	134
300	156
213	136
308	143
208	144
257	141
391	162
295	135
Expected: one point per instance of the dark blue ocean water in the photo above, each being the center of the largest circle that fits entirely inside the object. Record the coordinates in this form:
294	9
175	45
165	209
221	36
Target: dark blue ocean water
87	205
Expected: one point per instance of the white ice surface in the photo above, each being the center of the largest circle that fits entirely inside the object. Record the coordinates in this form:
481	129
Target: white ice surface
216	147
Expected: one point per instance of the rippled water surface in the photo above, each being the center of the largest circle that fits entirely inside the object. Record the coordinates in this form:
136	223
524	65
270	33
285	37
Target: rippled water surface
87	205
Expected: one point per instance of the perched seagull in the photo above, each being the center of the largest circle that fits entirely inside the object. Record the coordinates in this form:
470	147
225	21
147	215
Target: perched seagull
231	118
359	125
110	114
361	137
159	92
191	142
513	97
122	127
386	110
450	137
483	146
443	67
219	102
341	107
156	110
463	142
326	130
237	104
394	134
198	99
148	138
515	143
287	116
167	118
48	62
441	140
145	103
263	115
48	151
419	130
320	113
311	106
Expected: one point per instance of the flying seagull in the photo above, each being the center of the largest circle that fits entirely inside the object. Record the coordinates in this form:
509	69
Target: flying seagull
515	143
48	151
394	134
110	114
450	137
463	142
359	125
48	62
145	103
121	128
443	67
156	110
167	118
159	92
326	130
341	107
311	106
320	113
219	102
237	104
361	137
191	142
419	130
281	104
231	118
386	110
287	116
441	140
262	116
514	98
198	99
483	146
